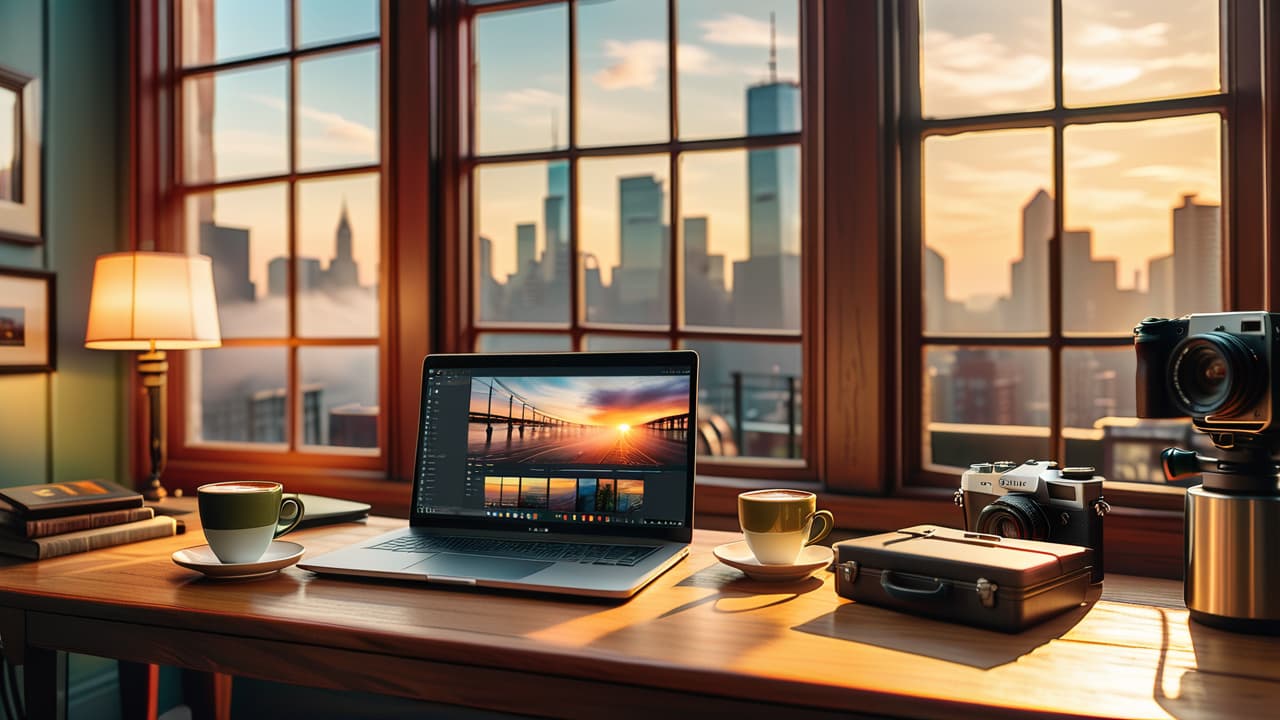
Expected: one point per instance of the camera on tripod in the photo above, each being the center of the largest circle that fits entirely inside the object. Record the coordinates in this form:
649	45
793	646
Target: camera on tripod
1220	370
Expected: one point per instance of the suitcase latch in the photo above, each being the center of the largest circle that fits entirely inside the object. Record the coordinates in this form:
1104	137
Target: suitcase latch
849	570
987	592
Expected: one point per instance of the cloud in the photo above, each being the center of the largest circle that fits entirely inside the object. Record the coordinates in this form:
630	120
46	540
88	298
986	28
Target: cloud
337	134
742	31
981	68
524	99
638	64
1102	75
1097	34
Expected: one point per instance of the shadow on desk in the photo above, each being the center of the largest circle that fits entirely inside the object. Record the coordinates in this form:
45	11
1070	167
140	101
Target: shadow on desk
1208	690
982	649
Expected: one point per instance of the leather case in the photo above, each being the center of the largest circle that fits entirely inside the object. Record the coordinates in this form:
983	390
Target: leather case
981	580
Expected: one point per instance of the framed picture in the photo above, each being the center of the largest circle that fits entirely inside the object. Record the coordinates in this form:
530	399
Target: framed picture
19	158
26	321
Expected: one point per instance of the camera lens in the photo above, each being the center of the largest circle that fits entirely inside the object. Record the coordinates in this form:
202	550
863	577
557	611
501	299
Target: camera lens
1214	374
1014	516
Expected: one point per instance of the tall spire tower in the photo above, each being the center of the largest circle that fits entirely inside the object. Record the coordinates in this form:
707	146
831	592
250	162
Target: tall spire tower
773	49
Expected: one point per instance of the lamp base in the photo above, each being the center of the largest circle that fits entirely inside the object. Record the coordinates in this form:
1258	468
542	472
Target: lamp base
153	369
154	492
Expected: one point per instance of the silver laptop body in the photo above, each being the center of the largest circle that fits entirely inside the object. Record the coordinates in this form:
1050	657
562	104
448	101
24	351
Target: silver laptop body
564	473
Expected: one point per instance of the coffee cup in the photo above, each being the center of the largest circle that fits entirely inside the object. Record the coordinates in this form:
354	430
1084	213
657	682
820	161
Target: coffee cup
777	523
240	519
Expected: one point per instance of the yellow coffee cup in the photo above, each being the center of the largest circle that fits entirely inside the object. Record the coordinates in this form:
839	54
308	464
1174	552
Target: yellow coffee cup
777	523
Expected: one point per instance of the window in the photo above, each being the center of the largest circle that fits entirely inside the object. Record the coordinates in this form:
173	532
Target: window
278	169
635	182
1065	176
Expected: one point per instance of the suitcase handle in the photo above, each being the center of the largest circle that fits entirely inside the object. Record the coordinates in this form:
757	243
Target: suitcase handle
907	593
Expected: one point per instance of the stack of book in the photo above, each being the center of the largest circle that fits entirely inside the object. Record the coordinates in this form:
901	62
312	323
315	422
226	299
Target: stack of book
48	520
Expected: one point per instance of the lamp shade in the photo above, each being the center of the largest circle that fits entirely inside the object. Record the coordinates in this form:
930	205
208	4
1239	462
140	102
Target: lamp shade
145	300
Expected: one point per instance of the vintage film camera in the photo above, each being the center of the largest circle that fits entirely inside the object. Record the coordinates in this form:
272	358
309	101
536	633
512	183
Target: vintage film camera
1035	501
1219	370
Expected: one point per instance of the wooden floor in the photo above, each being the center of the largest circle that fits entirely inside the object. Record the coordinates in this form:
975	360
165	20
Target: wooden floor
702	638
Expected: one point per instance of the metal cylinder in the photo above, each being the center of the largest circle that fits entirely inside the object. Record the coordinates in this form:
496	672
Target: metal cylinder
1233	560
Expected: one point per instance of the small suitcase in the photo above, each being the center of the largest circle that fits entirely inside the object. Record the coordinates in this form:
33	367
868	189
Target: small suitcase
981	580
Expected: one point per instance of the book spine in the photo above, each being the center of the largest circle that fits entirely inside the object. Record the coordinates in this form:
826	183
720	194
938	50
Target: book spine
86	540
72	523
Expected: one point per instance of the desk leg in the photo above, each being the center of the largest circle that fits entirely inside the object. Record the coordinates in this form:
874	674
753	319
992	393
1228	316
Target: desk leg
139	690
45	683
207	694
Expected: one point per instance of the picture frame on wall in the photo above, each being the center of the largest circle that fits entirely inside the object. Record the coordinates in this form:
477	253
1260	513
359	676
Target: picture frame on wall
20	200
27	337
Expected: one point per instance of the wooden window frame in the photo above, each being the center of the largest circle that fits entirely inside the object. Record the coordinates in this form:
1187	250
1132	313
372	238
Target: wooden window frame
1239	104
156	221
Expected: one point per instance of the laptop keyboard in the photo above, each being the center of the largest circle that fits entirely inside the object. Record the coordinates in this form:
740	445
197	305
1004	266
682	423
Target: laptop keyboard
585	553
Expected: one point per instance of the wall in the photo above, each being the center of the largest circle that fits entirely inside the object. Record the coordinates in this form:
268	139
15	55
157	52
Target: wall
68	424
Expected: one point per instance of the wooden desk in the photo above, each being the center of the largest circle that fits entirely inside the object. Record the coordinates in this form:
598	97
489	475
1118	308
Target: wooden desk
699	640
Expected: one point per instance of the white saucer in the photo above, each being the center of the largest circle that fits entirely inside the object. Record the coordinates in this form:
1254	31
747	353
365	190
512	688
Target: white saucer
738	555
279	554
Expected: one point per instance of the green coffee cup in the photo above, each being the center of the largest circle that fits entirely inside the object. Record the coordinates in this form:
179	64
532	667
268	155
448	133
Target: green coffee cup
241	518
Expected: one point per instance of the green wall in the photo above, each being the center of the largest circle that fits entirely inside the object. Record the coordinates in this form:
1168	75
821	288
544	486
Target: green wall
68	424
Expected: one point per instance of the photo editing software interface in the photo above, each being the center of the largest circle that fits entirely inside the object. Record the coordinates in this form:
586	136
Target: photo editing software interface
599	446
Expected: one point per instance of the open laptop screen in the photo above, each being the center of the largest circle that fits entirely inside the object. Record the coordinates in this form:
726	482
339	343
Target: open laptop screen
591	442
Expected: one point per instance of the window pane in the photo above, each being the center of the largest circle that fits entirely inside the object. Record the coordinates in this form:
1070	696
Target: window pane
10	136
622	342
1144	225
338	258
625	239
235	124
741	235
523	342
221	30
749	399
731	83
242	231
984	404
338	110
339	396
622	72
1098	403
988	217
237	395
1139	49
523	262
521	80
978	58
325	21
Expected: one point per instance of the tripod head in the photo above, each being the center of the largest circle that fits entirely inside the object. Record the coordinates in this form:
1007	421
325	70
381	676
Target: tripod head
1247	469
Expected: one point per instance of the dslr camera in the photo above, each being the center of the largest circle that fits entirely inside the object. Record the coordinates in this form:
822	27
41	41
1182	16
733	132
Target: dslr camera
1035	501
1219	369
1215	368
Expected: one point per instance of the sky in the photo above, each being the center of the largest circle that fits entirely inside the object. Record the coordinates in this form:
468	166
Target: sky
596	400
522	65
1121	180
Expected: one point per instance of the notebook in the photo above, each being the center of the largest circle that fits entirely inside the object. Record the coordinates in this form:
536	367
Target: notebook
565	473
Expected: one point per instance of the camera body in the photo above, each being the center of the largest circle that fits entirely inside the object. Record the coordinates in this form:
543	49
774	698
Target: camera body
1035	501
1215	368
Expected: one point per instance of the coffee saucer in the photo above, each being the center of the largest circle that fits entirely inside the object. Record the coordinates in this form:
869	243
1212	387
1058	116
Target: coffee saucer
279	554
738	555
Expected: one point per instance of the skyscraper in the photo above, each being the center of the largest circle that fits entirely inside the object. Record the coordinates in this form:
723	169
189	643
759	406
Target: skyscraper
228	248
641	277
526	249
766	286
1197	257
555	221
342	272
1029	309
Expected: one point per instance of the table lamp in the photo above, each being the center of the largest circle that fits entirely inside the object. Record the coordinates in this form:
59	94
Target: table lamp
153	302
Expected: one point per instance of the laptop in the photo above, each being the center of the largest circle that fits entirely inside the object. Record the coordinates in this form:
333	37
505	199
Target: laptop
564	473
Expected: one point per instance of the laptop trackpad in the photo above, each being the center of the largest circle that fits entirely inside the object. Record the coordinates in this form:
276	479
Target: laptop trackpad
477	566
